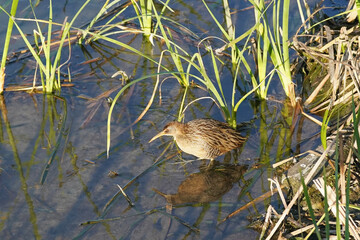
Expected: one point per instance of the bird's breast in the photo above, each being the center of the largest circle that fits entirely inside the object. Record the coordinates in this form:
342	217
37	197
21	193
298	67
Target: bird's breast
192	146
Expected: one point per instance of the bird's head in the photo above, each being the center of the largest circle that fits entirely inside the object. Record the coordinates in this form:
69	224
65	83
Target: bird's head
171	129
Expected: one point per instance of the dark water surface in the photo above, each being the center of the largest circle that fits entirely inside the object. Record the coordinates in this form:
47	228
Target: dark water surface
54	175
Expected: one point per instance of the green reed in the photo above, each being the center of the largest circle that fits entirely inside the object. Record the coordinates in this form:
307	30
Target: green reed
324	127
309	205
172	48
49	69
228	31
106	31
117	96
326	207
356	150
272	41
325	218
109	24
144	14
6	43
185	62
357	2
237	59
338	175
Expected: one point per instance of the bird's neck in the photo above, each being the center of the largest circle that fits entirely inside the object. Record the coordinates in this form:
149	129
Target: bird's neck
181	132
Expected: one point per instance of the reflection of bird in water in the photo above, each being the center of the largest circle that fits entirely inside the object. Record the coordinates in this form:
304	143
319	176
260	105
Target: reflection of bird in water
203	138
206	186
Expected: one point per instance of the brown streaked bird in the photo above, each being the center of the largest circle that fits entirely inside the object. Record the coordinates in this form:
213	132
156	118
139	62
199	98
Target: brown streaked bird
203	138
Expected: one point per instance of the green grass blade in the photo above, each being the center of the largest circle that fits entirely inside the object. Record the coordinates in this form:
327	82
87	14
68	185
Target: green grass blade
326	206
324	127
358	10
347	209
47	52
31	49
228	37
242	36
208	83
217	74
7	43
309	205
356	118
336	184
58	55
173	51
108	138
285	48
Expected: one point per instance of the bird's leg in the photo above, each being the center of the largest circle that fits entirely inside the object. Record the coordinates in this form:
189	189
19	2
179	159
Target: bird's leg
211	164
188	161
184	162
205	166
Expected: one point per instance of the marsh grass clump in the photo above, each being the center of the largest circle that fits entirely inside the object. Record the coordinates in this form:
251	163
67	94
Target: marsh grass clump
327	198
324	188
48	60
331	66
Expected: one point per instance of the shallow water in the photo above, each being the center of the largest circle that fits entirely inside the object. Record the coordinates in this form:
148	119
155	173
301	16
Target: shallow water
54	174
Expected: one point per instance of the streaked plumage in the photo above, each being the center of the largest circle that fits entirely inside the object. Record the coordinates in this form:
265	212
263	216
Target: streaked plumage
203	138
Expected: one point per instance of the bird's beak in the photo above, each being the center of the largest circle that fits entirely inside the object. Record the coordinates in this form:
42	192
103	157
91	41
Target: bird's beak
157	136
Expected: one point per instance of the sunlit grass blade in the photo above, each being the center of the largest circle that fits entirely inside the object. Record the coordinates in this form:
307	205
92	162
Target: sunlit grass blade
173	50
7	42
273	41
49	80
49	71
280	46
261	48
234	106
309	205
217	74
229	32
324	126
104	9
356	119
144	14
108	138
357	2
347	208
28	44
307	8
226	34
326	206
109	25
208	83
336	184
